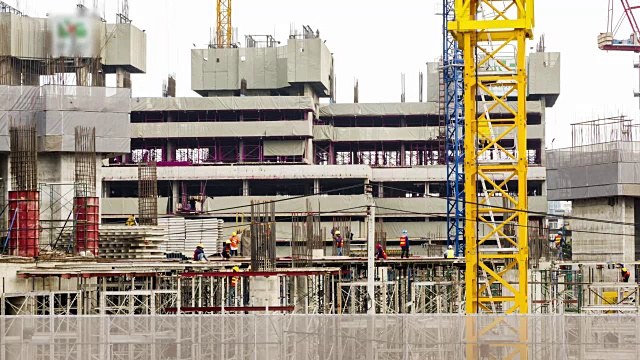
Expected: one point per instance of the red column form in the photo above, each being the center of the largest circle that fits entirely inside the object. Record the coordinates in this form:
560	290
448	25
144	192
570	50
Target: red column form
87	214
24	227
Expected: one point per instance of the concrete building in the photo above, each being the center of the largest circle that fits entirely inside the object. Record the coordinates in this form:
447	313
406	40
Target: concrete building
58	94
598	174
261	133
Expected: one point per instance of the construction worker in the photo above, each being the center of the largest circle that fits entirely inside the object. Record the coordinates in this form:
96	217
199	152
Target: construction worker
198	254
235	242
130	221
380	254
226	249
232	288
404	244
625	274
449	254
339	243
559	241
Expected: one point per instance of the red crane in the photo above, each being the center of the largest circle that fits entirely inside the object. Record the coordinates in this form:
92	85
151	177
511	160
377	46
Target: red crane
606	40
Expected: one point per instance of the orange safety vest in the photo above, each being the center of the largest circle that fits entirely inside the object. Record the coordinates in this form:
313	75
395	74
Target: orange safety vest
234	241
403	241
234	280
339	241
558	239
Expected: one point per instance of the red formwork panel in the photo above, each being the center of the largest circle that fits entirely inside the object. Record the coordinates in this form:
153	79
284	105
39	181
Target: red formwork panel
24	239
87	214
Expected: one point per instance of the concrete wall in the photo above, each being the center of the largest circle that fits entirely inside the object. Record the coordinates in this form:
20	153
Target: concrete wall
599	241
126	46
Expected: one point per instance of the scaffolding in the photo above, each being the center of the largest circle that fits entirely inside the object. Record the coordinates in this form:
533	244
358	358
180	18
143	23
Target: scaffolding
147	193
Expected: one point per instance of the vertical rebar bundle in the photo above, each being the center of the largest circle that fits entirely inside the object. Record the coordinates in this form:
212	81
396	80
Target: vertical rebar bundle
306	236
381	236
263	235
342	224
24	158
85	159
147	193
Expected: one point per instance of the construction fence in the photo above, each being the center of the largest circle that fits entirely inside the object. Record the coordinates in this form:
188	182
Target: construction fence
320	337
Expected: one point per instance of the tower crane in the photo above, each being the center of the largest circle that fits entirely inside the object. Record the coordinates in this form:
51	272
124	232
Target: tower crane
606	40
223	25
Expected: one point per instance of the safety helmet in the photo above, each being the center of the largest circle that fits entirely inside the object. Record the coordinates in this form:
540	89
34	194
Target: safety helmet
624	269
559	232
405	232
337	232
233	233
450	247
201	246
236	269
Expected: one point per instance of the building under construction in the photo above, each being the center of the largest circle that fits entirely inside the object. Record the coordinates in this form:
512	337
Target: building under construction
106	196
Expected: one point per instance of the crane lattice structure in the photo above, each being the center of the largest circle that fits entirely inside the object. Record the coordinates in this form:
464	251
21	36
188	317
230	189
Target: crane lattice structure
492	35
224	29
452	70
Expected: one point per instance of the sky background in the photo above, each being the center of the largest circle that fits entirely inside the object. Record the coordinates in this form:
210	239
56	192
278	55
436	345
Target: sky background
375	41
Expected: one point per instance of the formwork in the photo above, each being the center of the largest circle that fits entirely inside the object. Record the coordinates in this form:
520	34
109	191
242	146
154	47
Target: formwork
87	234
24	223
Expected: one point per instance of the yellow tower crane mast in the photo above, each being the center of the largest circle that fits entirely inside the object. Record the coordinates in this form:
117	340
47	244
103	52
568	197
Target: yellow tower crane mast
492	35
223	25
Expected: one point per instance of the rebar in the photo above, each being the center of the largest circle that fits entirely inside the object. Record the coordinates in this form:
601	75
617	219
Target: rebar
381	235
263	235
306	237
85	161
24	158
147	193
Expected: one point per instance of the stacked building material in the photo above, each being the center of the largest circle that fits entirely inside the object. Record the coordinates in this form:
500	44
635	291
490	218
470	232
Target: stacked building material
132	242
184	234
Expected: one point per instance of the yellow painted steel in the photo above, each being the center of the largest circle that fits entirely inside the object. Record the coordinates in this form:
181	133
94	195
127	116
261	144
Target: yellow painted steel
224	29
486	30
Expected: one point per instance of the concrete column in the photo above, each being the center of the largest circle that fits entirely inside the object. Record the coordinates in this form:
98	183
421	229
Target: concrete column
245	187
171	150
310	156
371	239
121	75
240	151
316	186
403	157
175	195
380	190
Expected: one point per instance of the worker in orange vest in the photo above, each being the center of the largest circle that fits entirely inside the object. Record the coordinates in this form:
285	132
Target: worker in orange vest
625	274
339	243
232	288
234	244
404	244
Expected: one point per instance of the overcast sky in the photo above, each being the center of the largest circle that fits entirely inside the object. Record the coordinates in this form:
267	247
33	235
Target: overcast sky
375	41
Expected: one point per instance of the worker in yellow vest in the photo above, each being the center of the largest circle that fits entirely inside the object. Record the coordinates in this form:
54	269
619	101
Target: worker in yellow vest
449	254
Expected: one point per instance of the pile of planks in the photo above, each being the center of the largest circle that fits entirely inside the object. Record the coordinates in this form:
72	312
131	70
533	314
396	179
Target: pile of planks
132	242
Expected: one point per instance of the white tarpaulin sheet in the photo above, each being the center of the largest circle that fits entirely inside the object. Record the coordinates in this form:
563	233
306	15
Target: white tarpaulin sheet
284	147
404	109
221	129
223	103
600	170
128	206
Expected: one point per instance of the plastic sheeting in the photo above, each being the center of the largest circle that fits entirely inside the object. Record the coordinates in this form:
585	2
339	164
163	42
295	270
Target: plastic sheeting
405	109
57	109
383	109
600	170
221	129
284	147
223	103
128	206
22	36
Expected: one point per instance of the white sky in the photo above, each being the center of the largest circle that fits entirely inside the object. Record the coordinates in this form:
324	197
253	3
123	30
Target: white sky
376	40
